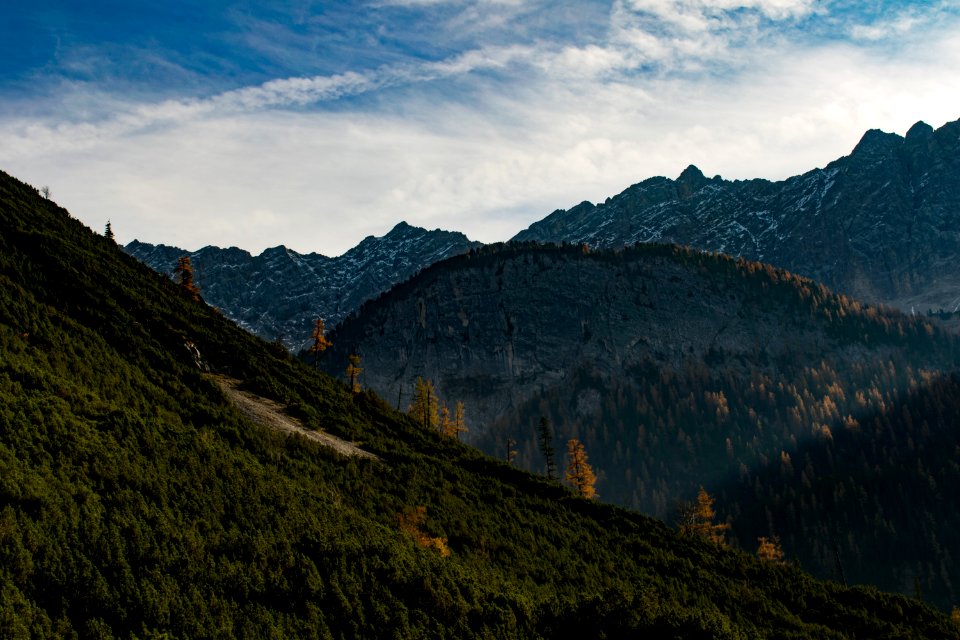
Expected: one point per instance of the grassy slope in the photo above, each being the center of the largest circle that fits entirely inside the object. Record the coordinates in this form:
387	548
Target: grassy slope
135	501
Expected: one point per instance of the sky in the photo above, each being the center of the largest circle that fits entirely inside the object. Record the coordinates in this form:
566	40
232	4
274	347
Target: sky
315	124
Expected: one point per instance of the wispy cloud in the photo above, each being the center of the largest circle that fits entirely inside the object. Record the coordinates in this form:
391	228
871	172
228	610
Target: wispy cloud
489	137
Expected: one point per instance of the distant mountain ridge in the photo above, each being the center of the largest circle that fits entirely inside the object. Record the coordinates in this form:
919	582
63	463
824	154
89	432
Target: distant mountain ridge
280	293
881	225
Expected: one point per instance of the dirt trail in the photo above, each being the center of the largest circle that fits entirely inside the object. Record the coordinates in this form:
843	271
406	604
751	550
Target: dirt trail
271	414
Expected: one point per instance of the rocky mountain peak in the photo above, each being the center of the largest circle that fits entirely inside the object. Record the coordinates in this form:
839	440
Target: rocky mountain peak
875	143
879	224
280	293
921	130
690	181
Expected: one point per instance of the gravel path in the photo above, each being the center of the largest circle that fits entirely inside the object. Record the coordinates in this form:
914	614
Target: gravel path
271	414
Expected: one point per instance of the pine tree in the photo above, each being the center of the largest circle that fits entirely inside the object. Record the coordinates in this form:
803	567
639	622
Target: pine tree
545	440
579	472
184	273
353	372
320	341
108	231
425	407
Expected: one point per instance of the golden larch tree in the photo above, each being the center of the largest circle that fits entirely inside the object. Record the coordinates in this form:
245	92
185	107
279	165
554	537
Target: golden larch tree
769	549
579	472
453	427
320	341
697	519
184	273
446	422
425	406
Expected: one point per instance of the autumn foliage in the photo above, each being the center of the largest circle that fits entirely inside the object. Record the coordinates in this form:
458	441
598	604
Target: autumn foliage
184	274
412	522
769	549
320	340
579	473
697	519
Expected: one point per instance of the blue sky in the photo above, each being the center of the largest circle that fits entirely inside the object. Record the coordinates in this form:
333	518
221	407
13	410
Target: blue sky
314	124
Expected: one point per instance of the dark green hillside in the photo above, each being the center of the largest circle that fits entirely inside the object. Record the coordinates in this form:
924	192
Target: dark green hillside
135	501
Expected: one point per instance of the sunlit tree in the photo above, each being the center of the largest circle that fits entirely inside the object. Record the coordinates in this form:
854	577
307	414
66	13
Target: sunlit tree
184	273
425	406
579	472
320	341
769	549
697	519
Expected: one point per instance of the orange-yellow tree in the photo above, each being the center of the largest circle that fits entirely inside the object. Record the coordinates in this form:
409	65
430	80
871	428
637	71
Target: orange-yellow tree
425	407
697	519
320	341
453	427
184	273
579	472
769	549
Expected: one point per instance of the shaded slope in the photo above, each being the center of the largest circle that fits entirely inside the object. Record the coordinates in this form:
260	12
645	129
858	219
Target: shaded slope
135	500
880	224
675	368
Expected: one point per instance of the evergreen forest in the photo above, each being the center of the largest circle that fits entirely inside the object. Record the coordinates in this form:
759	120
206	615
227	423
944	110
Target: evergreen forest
138	501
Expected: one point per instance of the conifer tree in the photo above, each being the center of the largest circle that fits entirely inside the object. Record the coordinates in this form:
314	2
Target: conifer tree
697	519
184	273
320	341
579	472
545	440
353	372
511	450
446	422
452	427
769	549
425	407
108	231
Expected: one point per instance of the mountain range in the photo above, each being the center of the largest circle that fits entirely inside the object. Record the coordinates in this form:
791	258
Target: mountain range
880	225
158	478
280	293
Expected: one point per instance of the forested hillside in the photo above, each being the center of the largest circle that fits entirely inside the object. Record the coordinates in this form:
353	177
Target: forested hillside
810	416
137	501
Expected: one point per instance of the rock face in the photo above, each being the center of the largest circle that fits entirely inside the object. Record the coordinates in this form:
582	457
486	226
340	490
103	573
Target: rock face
499	327
280	293
882	224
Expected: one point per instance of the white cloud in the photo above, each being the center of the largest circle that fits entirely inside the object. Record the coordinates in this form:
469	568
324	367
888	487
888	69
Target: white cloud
537	127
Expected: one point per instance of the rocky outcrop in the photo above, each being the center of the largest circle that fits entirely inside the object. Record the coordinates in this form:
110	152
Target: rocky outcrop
882	224
280	293
500	327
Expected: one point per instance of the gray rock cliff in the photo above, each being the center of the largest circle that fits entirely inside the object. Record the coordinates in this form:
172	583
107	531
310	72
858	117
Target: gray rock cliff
882	224
280	293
